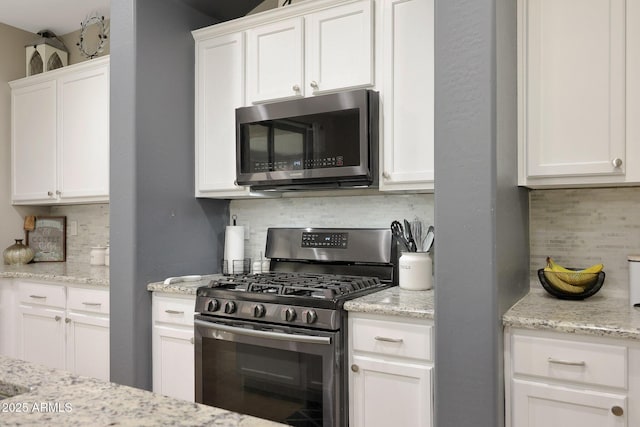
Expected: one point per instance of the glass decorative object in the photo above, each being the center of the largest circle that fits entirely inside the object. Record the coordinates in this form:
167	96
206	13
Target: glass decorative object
18	253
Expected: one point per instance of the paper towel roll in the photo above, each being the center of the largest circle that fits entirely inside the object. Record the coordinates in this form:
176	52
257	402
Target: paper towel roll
634	280
234	248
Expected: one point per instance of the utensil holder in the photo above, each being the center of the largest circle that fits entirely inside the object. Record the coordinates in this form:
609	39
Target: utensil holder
415	271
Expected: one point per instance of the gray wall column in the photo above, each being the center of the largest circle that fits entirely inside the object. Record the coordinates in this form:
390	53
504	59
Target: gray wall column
157	227
481	216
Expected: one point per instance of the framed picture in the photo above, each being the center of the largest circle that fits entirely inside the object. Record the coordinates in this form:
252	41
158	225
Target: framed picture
48	239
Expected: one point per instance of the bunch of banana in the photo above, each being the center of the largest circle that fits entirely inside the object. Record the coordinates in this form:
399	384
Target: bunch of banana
570	280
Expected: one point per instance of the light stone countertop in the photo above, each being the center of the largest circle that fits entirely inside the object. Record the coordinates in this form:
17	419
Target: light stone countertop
395	302
182	288
54	397
601	315
59	272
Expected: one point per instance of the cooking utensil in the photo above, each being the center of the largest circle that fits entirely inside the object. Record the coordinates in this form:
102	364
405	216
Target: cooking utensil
428	239
398	233
409	236
418	237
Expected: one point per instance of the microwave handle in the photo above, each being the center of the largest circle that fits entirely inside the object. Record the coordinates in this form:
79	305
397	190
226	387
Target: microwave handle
265	334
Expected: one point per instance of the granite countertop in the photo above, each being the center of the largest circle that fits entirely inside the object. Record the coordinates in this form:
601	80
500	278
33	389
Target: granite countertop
60	272
602	315
44	396
183	288
395	302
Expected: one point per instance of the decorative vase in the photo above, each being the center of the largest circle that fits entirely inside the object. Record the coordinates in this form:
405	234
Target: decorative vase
18	253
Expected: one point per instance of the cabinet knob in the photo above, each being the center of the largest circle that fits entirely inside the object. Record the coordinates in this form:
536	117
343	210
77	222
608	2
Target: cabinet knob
355	368
50	193
58	192
67	320
314	84
617	411
58	318
386	175
191	340
295	88
617	162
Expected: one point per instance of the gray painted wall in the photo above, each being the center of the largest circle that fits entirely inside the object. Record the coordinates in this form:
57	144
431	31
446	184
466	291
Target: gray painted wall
158	228
480	214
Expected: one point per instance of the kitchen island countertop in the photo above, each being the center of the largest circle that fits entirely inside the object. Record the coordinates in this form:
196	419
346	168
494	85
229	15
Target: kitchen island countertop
181	288
44	396
395	302
602	315
59	272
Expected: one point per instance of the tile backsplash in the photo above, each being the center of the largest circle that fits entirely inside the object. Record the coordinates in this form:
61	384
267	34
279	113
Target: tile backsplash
581	227
348	211
93	229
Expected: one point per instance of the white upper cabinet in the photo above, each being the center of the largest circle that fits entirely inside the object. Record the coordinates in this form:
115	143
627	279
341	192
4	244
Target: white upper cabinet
275	61
219	91
60	135
407	63
577	89
316	53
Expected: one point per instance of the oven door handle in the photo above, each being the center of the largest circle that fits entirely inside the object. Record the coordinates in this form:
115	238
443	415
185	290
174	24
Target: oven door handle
265	334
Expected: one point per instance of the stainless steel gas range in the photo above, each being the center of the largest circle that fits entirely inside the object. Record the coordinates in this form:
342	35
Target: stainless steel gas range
273	345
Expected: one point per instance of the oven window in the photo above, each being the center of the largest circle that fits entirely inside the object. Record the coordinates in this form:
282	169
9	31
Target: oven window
280	385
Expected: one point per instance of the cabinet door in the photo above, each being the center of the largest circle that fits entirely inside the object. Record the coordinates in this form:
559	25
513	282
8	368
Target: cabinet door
88	344
275	61
542	405
572	89
339	48
41	335
7	318
388	393
33	142
219	91
408	96
83	135
173	361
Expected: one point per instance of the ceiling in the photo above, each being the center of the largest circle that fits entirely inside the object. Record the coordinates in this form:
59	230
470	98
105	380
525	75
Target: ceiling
64	16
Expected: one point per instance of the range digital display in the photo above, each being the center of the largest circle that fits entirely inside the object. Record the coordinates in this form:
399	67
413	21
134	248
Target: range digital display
325	240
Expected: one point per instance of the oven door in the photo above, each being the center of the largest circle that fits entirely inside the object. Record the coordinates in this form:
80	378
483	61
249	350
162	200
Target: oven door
289	375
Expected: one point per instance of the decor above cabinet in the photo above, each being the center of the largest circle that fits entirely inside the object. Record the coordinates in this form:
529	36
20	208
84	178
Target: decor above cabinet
578	93
60	135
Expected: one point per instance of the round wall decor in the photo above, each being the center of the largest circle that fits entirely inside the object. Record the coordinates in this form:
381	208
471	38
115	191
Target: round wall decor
91	50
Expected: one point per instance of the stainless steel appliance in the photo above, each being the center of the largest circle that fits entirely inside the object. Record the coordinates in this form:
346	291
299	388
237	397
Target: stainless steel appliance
273	345
326	141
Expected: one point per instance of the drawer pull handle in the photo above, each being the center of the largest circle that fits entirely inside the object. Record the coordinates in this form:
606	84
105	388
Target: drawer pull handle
92	304
566	362
37	297
385	339
617	411
174	312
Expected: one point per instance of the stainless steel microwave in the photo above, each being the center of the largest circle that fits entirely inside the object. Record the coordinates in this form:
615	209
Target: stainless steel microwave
327	141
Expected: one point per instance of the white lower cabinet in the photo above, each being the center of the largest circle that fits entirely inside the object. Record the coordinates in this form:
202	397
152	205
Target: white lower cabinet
555	379
173	346
390	377
64	328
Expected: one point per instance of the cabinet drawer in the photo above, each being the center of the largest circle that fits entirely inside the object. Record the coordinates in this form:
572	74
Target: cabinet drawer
392	338
92	300
174	310
40	294
588	363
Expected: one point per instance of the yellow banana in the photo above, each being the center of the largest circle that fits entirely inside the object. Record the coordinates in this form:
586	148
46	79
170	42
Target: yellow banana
556	282
583	277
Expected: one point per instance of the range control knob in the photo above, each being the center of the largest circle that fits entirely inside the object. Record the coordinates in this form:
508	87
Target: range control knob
213	305
309	316
258	310
288	314
230	307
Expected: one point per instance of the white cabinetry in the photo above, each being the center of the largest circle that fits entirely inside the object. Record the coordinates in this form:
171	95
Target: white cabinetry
219	91
579	92
64	328
7	318
320	52
562	379
60	135
407	64
173	346
390	378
